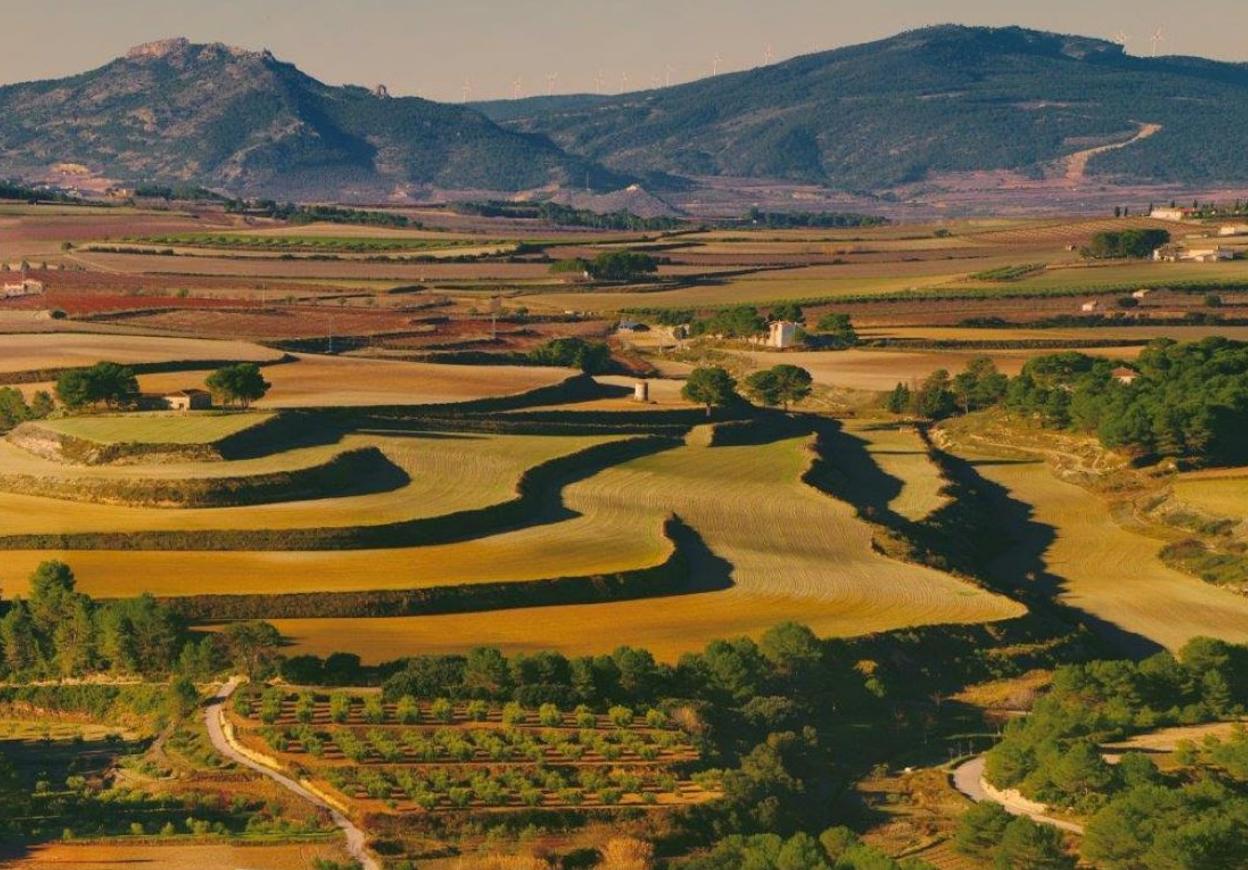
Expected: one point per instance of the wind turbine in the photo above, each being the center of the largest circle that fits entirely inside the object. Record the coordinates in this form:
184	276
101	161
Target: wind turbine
1159	36
467	91
623	82
1121	38
667	79
599	78
715	62
768	55
551	78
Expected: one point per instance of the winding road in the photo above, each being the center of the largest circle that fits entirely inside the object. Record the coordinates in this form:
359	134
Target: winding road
214	718
968	778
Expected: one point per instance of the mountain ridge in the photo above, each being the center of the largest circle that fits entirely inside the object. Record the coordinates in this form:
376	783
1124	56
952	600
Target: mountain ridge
242	120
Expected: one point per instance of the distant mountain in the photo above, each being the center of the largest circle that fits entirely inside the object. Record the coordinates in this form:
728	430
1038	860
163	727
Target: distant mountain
926	102
173	111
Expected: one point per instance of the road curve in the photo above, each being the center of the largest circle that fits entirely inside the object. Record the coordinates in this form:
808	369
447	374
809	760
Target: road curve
968	778
214	718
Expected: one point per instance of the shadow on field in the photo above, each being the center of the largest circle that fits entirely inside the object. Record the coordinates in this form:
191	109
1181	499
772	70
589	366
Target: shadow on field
983	531
706	570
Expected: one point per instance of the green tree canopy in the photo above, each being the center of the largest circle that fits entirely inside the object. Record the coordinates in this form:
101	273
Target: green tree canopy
238	384
114	385
711	386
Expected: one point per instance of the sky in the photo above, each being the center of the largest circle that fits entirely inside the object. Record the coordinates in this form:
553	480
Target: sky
450	50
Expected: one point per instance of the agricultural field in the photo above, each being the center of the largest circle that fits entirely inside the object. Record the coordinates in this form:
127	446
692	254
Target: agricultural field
194	427
1073	546
45	352
1222	493
440	757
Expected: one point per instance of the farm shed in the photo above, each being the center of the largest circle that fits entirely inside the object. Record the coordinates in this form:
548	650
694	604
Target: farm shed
782	333
188	400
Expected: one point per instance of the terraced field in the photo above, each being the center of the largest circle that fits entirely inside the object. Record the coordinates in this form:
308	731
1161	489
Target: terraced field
197	427
1093	564
446	476
321	381
780	550
1224	492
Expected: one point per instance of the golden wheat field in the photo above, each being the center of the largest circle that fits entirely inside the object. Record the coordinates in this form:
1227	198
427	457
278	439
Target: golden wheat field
322	381
788	551
447	473
1225	495
196	427
191	856
901	455
1112	574
30	352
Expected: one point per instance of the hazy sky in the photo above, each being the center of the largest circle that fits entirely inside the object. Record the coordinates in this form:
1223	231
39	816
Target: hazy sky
450	48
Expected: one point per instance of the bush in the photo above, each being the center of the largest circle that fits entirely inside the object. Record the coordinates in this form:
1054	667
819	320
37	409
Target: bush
620	716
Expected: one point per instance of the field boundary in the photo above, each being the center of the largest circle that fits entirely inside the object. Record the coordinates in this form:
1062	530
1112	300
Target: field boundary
672	576
538	501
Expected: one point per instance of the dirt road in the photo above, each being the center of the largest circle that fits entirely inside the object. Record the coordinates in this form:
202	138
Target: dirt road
214	718
968	778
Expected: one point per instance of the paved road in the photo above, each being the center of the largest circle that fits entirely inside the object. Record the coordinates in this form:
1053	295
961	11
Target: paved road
968	778
214	718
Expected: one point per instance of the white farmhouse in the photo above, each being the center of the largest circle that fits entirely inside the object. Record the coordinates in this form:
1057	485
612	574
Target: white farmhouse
782	333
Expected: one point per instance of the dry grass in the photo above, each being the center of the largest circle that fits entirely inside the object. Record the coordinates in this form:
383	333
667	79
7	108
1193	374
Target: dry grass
793	553
20	352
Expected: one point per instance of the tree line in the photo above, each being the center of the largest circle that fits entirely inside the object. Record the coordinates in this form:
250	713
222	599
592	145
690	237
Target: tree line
116	386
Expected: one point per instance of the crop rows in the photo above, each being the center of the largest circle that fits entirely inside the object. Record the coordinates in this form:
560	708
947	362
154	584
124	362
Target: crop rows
464	788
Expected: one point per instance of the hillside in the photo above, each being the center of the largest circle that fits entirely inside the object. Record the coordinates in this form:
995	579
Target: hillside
926	102
243	121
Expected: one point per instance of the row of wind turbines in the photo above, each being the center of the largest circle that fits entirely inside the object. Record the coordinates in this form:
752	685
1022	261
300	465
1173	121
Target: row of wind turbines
1158	37
600	79
769	56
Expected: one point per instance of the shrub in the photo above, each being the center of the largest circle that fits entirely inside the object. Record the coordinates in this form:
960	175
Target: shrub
620	716
513	713
442	710
374	711
476	711
407	711
548	714
339	707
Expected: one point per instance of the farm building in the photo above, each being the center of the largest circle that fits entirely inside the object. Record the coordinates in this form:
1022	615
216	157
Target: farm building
187	400
1168	214
1124	375
782	333
1141	293
1174	254
25	287
1233	230
641	391
1090	306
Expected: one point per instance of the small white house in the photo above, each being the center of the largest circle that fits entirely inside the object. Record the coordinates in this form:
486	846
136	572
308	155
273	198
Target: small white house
1090	306
1208	255
188	400
641	391
1168	214
782	333
25	287
1141	293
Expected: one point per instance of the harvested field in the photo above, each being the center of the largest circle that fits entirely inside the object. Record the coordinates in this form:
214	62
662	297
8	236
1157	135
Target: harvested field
320	381
194	427
305	269
447	474
187	855
1225	495
900	453
44	351
1072	544
1135	332
815	565
880	370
